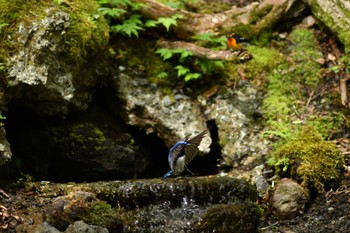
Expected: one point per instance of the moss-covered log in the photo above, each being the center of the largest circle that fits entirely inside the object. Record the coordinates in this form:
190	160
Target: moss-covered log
335	15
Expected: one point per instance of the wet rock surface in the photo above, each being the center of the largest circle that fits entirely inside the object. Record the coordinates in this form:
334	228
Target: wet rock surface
174	205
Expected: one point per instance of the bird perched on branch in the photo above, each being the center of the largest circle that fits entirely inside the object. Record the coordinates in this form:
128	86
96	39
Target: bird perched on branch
234	41
182	153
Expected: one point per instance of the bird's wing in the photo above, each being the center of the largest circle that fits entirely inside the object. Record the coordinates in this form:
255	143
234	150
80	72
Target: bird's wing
191	149
177	150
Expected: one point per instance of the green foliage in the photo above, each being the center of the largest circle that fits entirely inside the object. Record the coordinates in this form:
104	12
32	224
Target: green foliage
118	9
343	65
182	71
208	66
308	159
121	3
185	72
130	26
168	53
125	21
112	12
168	21
131	23
162	75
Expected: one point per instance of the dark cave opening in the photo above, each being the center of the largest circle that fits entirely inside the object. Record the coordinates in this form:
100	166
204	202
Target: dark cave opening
37	152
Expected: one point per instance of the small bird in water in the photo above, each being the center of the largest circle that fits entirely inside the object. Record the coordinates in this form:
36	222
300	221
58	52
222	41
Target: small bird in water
234	41
182	153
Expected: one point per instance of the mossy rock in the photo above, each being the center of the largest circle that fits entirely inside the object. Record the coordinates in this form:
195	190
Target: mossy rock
64	210
314	162
88	32
237	218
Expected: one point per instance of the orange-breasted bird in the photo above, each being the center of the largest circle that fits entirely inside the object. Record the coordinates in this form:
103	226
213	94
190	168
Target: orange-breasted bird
234	41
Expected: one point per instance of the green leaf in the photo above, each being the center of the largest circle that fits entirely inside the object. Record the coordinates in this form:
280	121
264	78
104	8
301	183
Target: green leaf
181	70
184	53
167	22
165	53
130	26
219	64
121	2
192	76
127	29
134	19
204	65
151	23
114	12
104	2
162	75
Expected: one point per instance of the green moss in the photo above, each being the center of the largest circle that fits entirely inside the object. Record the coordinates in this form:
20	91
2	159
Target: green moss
305	55
102	214
264	58
325	124
11	14
230	218
139	54
292	85
259	12
309	159
264	61
88	33
80	138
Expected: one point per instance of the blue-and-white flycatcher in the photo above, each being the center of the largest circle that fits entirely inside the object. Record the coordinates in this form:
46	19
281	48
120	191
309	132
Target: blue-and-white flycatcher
182	153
